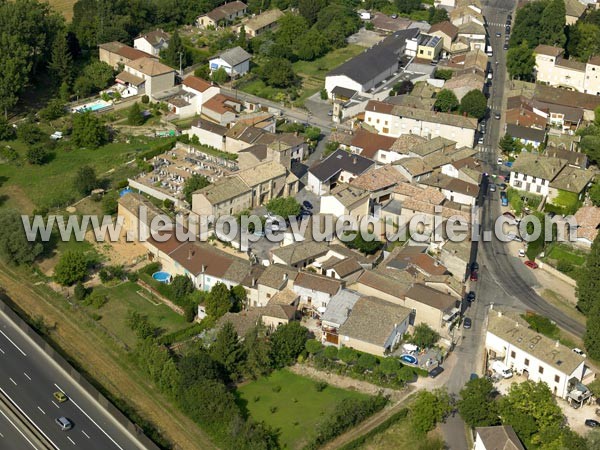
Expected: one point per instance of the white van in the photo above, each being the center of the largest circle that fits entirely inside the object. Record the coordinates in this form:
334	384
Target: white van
500	368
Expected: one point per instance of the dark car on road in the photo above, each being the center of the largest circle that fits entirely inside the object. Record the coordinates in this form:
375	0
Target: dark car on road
474	265
307	204
471	296
592	423
436	371
474	276
466	323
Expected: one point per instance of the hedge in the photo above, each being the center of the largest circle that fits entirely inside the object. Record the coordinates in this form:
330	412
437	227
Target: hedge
156	150
183	334
362	440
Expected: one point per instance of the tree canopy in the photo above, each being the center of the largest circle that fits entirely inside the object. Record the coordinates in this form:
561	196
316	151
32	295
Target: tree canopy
89	130
424	336
193	184
520	62
477	406
71	268
474	104
428	409
446	101
85	180
134	115
218	301
283	206
15	248
287	342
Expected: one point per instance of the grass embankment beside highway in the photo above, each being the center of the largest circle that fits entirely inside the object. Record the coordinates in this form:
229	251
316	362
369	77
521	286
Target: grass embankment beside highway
101	359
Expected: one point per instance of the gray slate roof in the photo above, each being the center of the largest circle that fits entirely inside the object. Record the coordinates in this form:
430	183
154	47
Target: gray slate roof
340	305
526	133
234	56
338	161
377	59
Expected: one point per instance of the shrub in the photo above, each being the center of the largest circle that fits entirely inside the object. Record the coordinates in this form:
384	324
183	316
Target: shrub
96	300
324	95
133	276
313	346
331	352
320	386
80	291
145	99
276	388
151	268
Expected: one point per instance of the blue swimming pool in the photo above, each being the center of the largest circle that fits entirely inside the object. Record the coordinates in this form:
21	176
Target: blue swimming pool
410	359
125	192
92	106
163	277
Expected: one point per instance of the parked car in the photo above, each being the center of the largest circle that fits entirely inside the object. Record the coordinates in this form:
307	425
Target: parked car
330	112
492	187
501	369
474	276
60	396
466	323
509	17
307	204
531	264
64	423
507	29
474	266
497	116
579	352
503	186
471	296
473	376
436	371
498	34
521	253
592	423
480	141
505	46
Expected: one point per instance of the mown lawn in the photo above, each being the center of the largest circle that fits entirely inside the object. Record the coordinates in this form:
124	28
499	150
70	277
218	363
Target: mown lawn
292	404
125	297
561	252
320	66
25	186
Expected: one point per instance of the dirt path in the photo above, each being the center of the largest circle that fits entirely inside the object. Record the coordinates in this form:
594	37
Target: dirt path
80	338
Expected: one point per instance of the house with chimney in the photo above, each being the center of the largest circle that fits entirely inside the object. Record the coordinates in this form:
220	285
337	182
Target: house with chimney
339	167
152	42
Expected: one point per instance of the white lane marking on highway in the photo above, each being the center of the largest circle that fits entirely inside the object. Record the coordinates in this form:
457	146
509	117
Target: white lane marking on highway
86	415
11	341
55	404
86	435
28	377
17	428
13	381
1	351
43	412
30	421
72	442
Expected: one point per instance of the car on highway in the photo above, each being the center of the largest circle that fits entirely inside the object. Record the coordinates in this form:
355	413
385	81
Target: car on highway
307	204
467	323
474	275
531	264
60	396
436	371
471	296
579	352
592	423
64	423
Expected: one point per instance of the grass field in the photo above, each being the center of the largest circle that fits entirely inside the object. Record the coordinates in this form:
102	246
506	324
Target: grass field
64	7
565	253
125	297
401	436
296	409
26	186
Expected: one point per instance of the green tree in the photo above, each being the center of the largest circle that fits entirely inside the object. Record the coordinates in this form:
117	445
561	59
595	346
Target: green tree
552	24
176	50
428	409
85	180
182	286
584	41
61	61
476	405
407	6
202	72
88	130
313	346
287	342
95	76
110	202
239	297
312	133
37	154
71	267
257	350
134	115
507	144
218	301
366	361
348	355
53	110
424	336
15	247
311	45
474	104
14	69
520	62
30	133
588	281
7	132
193	184
227	350
526	26
368	247
283	206
278	72
594	194
443	74
219	76
289	28
437	15
446	101
309	9
197	364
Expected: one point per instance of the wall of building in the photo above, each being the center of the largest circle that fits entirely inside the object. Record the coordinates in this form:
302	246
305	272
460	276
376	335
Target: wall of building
362	346
207	138
526	183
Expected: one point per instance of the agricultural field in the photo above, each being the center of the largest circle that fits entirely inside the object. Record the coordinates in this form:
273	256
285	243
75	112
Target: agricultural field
291	403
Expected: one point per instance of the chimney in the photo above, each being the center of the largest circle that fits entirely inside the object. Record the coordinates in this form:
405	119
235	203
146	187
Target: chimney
253	281
557	343
203	268
354	159
285	276
190	253
517	324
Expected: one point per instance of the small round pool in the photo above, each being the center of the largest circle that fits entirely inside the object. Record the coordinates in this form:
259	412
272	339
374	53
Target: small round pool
410	359
125	191
163	277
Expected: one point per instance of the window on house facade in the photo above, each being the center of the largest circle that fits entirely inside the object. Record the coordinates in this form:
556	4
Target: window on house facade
556	379
526	362
268	295
309	299
513	355
541	369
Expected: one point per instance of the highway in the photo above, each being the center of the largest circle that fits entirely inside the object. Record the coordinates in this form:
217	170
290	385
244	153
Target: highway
28	377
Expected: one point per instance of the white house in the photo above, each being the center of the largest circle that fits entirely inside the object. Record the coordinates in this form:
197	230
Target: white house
396	120
340	166
194	93
510	340
235	61
527	135
495	438
346	200
315	291
533	173
153	42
